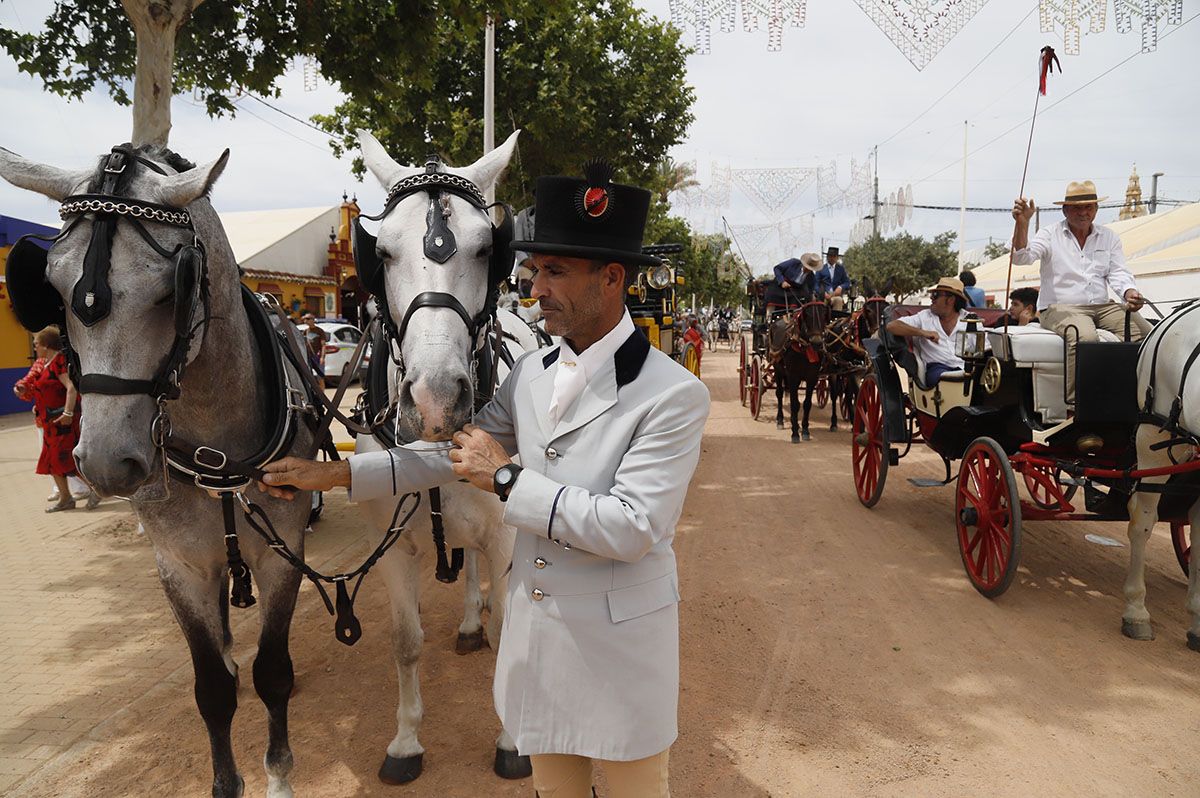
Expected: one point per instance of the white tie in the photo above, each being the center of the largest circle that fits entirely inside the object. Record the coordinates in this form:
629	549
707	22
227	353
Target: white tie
569	379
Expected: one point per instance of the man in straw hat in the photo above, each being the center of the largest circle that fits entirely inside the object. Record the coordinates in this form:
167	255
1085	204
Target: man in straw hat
933	329
1081	263
608	432
798	276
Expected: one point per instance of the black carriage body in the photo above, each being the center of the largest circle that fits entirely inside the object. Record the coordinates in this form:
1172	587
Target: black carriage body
654	310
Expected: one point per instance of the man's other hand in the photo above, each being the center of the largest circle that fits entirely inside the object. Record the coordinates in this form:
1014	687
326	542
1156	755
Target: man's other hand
285	477
477	457
1134	300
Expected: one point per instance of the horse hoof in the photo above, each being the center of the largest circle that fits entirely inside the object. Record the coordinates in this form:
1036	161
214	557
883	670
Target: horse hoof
833	428
1142	630
795	439
511	765
778	425
806	436
400	770
469	643
1193	641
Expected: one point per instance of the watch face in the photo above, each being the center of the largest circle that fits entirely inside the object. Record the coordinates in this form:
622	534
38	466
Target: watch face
504	476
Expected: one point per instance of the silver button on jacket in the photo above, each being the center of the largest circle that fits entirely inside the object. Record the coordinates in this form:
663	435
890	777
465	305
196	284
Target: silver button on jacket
537	594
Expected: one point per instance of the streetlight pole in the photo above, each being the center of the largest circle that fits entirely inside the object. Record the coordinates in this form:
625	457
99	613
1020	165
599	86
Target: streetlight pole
1154	191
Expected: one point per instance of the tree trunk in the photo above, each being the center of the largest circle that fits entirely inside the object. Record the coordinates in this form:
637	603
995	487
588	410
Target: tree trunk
155	25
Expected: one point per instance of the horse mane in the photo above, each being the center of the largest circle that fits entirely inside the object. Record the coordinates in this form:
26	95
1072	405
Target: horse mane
151	152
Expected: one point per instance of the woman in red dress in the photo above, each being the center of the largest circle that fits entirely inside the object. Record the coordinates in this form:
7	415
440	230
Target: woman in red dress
54	403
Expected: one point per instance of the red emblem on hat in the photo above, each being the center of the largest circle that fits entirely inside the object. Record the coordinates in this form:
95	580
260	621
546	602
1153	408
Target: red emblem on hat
595	202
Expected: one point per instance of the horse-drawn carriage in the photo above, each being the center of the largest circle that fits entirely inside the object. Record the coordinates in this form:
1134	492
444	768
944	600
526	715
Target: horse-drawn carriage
653	303
1006	417
829	343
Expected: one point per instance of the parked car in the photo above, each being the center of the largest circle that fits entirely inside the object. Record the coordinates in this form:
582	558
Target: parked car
747	325
341	341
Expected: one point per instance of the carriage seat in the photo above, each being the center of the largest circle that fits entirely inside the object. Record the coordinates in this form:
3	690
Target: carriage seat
1033	344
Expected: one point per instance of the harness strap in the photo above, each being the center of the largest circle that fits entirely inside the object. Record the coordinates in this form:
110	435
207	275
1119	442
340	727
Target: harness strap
1148	405
447	571
1177	405
241	594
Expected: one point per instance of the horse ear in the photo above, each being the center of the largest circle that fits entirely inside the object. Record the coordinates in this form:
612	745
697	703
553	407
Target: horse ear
181	189
488	169
868	289
887	287
49	181
386	170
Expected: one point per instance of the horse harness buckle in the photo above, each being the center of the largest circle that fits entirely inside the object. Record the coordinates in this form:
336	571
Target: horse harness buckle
217	466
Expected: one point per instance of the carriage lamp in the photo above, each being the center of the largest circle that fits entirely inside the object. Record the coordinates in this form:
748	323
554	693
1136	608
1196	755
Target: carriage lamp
659	276
971	342
638	288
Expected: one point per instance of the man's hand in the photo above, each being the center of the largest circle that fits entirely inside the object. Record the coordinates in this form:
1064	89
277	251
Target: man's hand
1134	300
1023	210
477	457
285	477
931	335
786	284
837	291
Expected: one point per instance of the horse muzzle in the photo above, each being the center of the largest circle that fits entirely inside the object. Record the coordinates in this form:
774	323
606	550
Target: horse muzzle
434	407
112	471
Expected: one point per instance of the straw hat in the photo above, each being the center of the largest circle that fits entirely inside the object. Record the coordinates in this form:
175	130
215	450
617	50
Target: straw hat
953	285
1081	193
811	261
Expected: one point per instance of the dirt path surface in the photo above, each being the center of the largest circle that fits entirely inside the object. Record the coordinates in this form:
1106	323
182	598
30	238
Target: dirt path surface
827	650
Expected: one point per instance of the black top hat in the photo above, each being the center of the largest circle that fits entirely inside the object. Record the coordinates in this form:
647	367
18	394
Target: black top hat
834	251
591	217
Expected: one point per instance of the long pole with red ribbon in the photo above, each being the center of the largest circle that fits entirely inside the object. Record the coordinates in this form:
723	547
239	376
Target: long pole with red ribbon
1047	61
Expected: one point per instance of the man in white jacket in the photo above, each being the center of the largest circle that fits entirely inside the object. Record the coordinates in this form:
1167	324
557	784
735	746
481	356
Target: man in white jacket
608	433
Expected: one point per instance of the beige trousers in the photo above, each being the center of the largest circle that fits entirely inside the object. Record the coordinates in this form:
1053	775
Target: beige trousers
570	776
1087	319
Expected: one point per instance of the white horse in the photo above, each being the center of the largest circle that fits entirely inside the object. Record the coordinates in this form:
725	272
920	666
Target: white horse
434	397
1173	340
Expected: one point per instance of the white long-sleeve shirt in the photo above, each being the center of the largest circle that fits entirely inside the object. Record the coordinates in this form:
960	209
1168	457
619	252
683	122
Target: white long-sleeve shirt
1073	275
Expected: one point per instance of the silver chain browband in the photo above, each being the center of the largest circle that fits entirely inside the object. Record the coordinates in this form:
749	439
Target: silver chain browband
72	206
436	180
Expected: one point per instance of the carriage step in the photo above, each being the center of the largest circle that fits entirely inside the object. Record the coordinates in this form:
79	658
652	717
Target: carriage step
925	482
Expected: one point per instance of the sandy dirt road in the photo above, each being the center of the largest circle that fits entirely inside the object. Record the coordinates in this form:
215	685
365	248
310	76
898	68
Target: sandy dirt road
827	650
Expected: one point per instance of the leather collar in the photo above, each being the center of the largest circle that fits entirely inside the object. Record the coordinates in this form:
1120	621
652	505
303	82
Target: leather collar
628	361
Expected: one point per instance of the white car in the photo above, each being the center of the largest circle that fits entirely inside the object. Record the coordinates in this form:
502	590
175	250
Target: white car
341	339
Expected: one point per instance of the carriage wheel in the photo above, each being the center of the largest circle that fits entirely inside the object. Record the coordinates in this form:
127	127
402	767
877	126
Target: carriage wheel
691	359
1038	480
822	393
1181	540
987	513
868	444
742	374
756	387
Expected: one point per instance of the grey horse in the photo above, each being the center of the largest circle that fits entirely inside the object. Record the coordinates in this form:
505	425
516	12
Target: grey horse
223	404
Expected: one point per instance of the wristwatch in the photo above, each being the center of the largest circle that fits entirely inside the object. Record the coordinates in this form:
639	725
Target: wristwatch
504	479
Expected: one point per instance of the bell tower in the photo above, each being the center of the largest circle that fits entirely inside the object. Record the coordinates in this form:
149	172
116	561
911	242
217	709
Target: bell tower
1133	207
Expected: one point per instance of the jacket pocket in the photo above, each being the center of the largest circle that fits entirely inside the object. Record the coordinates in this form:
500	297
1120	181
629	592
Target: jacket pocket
637	600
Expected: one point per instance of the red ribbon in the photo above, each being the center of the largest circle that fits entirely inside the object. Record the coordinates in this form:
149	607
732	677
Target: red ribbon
1049	61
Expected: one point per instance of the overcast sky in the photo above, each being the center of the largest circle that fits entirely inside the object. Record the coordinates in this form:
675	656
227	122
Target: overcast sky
838	88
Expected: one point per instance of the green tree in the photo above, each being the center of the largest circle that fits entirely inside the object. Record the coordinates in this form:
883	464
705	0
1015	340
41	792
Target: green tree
994	249
214	49
671	176
580	78
909	261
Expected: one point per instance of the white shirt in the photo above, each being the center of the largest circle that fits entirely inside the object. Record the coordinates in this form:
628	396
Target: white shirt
1077	276
943	350
572	371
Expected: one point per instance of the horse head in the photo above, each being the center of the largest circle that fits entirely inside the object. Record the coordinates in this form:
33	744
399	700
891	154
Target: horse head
811	321
128	276
434	249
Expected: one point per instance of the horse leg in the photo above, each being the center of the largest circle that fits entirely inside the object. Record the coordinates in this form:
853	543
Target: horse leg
470	631
835	394
808	392
498	548
780	378
794	399
400	570
1193	594
196	595
278	585
1143	512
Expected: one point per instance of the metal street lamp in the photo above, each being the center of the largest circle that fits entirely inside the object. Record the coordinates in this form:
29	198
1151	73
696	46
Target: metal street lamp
1154	190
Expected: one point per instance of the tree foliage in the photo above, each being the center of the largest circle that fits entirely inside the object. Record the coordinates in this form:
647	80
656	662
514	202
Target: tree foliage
224	46
911	262
581	78
993	250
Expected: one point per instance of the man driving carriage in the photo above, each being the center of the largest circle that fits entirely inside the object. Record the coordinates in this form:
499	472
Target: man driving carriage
797	277
1080	263
933	329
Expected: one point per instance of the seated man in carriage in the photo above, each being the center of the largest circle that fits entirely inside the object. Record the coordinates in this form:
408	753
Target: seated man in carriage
1022	309
833	282
933	330
1080	263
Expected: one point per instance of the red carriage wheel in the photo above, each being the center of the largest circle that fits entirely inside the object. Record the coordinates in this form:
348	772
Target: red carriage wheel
987	513
822	393
868	444
1045	484
756	387
1181	540
742	373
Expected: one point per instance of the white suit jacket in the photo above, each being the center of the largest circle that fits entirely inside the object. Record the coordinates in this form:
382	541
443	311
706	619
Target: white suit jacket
589	653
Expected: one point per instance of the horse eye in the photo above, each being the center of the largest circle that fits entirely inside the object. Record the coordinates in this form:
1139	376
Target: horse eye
485	252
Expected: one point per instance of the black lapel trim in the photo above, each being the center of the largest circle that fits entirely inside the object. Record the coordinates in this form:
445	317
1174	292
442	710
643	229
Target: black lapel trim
630	357
549	359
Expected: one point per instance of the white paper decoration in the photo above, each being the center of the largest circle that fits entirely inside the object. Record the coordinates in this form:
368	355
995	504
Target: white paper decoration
777	13
772	190
699	14
920	28
1150	13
